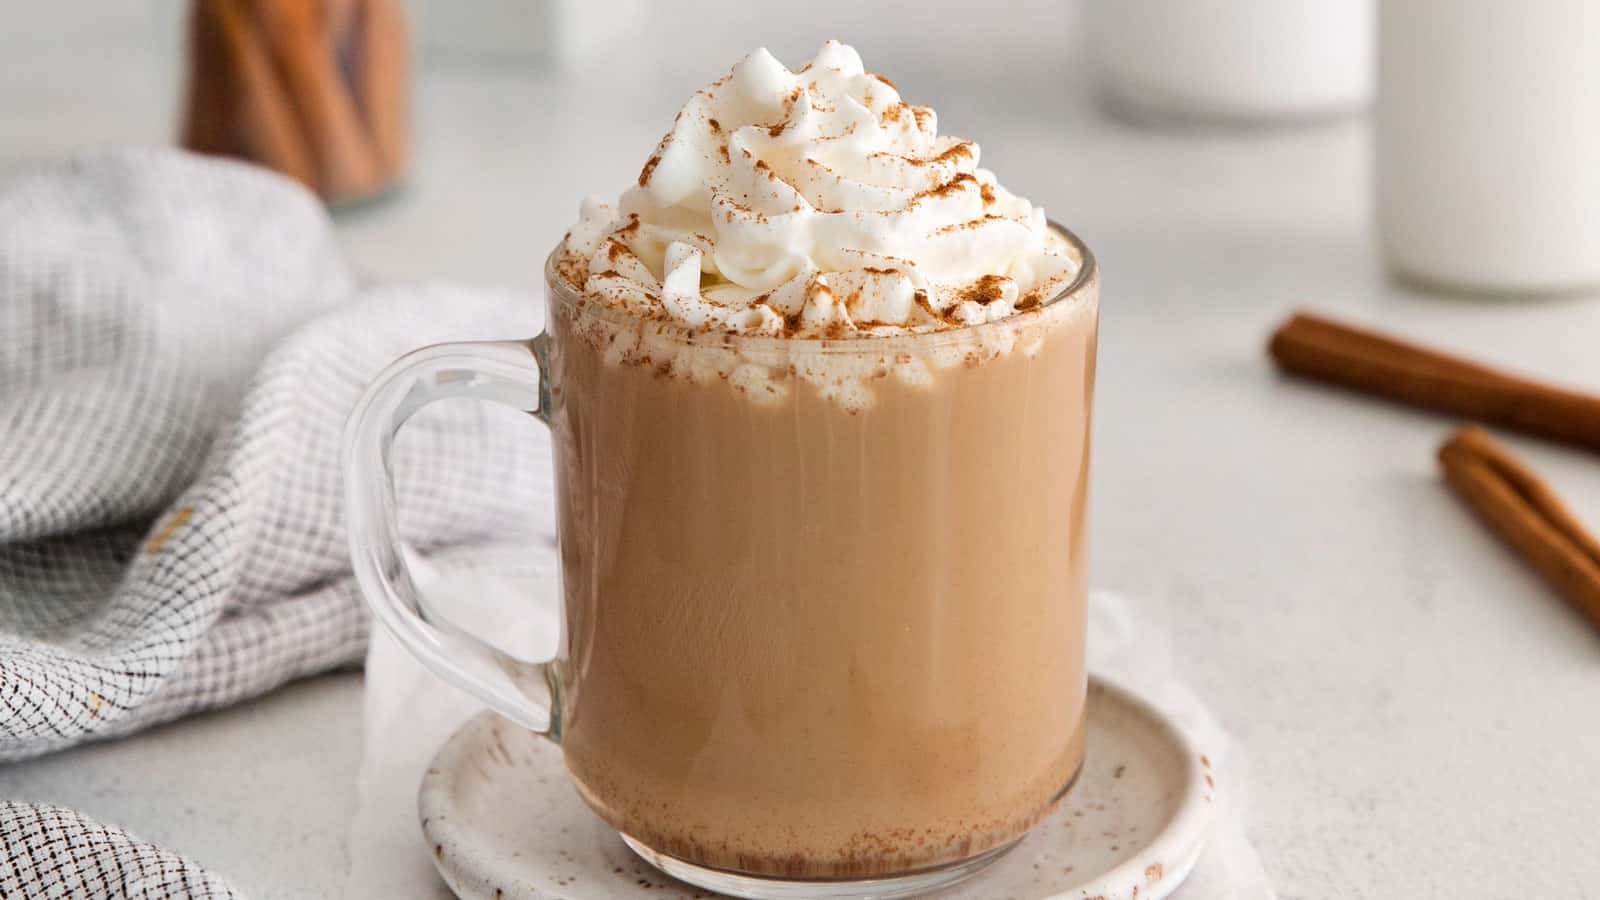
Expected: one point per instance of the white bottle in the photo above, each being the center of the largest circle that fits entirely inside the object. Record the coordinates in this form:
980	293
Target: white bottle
1488	143
1236	61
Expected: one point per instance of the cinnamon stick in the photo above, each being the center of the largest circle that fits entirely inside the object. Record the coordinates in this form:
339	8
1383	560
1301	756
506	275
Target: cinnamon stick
1320	348
381	57
302	48
267	130
341	17
206	124
1520	506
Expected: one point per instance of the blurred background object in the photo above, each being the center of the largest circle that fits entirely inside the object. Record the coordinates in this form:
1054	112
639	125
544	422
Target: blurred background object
541	33
1232	61
1488	143
316	89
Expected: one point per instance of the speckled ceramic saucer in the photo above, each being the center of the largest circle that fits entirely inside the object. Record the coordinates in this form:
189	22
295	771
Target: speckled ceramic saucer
504	823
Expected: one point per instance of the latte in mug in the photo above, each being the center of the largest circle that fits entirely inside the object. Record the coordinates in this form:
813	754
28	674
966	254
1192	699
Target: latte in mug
820	393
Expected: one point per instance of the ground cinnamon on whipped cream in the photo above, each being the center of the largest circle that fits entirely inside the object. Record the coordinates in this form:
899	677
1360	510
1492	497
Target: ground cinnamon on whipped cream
814	204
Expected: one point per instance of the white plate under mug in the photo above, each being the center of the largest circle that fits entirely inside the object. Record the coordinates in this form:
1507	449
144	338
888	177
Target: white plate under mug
503	822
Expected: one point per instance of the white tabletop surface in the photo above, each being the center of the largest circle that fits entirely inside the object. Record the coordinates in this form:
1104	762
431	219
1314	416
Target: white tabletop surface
1417	709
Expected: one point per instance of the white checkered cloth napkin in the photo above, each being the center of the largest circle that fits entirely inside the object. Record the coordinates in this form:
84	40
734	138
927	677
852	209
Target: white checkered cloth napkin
180	343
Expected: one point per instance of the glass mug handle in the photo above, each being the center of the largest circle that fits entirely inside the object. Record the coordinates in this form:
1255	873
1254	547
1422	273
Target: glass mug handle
513	373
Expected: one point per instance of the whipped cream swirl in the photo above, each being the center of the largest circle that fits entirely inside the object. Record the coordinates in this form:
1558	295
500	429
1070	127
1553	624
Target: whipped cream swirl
815	203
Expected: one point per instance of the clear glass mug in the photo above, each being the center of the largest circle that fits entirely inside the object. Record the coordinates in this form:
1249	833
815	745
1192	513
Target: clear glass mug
824	601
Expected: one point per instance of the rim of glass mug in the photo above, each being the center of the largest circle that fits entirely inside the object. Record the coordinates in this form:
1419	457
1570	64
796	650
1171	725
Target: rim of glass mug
570	297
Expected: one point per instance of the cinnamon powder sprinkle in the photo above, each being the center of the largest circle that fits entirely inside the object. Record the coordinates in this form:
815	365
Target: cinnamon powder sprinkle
886	81
962	150
920	298
985	290
953	186
970	224
987	192
649	167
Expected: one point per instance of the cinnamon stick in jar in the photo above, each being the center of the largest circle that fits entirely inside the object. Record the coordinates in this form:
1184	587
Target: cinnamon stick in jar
303	49
1527	514
253	116
316	89
206	127
1315	347
379	58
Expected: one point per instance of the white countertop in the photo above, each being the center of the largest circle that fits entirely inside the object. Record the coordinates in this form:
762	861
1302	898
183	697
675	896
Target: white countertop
1416	707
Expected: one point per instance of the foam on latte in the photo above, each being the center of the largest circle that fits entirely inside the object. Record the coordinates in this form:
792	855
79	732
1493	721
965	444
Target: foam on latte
812	204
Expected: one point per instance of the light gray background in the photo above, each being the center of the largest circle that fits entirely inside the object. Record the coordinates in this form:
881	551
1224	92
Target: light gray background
1418	710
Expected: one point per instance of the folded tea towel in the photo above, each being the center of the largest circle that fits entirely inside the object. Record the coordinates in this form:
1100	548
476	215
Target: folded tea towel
180	343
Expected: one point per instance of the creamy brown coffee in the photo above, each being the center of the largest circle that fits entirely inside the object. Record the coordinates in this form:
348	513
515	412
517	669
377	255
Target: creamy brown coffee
823	552
811	642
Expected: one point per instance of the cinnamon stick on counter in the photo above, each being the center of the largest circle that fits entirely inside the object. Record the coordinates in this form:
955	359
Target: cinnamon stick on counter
1519	506
1316	347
